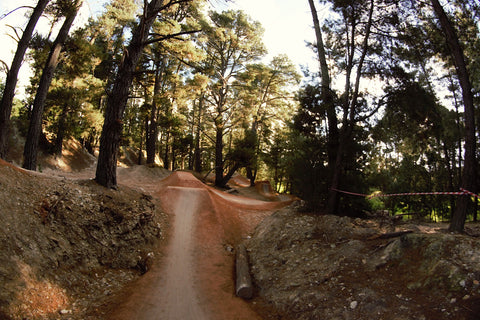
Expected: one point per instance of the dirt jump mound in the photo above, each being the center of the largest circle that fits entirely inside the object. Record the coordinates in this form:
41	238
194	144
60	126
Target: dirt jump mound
181	179
239	180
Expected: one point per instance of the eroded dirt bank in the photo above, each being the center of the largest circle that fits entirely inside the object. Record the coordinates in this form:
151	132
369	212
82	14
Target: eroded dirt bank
329	267
67	246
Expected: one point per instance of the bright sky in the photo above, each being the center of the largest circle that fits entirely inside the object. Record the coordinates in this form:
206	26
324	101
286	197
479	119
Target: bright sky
287	25
19	19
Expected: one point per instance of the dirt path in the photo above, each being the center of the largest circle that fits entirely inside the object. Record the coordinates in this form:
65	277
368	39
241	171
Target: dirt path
178	296
167	292
194	278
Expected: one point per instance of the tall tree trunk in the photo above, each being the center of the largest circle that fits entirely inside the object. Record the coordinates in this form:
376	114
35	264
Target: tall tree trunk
469	173
12	76
151	136
140	147
35	126
106	173
166	159
346	132
197	155
457	122
152	133
174	155
251	168
329	101
250	176
219	156
450	170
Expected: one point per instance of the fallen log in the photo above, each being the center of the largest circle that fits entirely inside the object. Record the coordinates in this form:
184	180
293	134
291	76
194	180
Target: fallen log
389	235
244	288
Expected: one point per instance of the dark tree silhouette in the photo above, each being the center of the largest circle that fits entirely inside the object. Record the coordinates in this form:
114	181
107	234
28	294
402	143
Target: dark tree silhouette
12	76
469	174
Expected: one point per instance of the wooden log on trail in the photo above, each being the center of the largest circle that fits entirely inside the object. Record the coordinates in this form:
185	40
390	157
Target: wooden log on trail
243	288
390	235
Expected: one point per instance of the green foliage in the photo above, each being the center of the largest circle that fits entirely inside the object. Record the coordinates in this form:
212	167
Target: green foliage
411	116
276	158
307	170
243	153
420	139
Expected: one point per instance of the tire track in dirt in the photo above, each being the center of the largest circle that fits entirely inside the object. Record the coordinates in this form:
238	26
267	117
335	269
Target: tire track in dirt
168	292
178	295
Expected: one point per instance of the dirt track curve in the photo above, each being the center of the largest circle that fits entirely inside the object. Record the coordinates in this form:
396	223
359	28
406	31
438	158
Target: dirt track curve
194	280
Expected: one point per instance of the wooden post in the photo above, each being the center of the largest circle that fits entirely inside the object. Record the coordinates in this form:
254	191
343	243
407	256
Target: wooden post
244	288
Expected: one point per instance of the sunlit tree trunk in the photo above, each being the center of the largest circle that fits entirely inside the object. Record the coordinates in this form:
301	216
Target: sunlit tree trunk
219	182
198	152
12	76
61	131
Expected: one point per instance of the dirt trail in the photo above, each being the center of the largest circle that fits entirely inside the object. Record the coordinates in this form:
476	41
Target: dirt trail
194	278
167	291
177	295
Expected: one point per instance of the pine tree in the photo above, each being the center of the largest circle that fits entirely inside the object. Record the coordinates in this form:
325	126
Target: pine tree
12	76
35	126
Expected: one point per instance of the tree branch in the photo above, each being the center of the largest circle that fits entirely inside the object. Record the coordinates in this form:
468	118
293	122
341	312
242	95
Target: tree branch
8	13
16	33
5	65
169	36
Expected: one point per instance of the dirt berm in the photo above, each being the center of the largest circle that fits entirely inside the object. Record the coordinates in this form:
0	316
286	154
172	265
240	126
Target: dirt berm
330	267
67	246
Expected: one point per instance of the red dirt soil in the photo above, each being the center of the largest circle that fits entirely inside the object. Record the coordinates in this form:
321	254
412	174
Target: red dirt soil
195	280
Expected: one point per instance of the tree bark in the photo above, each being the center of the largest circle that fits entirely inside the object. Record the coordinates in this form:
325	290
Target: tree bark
12	76
219	156
106	173
250	175
166	155
151	136
35	126
198	152
152	133
469	173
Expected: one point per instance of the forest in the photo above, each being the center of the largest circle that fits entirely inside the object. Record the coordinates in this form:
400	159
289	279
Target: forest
392	109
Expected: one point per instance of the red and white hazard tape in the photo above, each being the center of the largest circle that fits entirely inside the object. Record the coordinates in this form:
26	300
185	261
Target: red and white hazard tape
416	194
351	193
458	193
470	193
